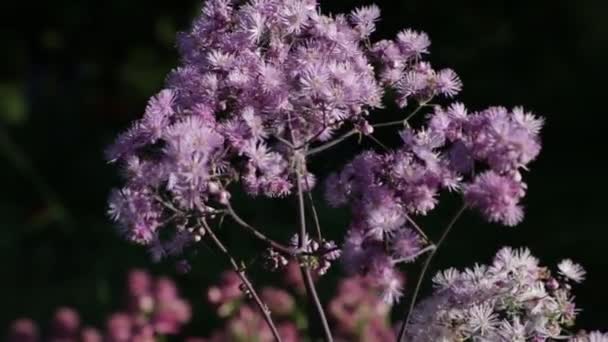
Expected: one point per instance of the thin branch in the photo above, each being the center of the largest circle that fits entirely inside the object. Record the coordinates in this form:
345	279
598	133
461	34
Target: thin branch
332	143
310	286
390	123
314	136
420	106
314	210
418	229
346	135
276	245
425	267
378	142
241	273
403	122
312	291
284	141
413	257
168	205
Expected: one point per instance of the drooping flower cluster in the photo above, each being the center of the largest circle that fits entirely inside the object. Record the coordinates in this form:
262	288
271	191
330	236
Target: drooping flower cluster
387	190
502	142
513	299
384	191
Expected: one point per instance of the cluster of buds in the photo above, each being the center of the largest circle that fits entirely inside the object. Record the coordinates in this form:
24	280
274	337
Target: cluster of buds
317	254
274	260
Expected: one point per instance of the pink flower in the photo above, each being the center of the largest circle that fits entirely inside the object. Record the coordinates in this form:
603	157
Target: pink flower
23	330
66	324
118	328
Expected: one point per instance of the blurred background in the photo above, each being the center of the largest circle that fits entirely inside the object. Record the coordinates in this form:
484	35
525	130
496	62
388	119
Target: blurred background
75	73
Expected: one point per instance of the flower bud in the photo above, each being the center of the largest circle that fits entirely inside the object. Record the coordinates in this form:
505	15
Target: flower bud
224	197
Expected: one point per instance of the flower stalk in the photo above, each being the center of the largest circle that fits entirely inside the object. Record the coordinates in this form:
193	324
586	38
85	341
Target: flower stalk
425	267
240	270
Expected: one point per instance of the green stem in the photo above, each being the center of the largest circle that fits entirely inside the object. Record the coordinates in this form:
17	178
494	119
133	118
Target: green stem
425	267
308	281
240	270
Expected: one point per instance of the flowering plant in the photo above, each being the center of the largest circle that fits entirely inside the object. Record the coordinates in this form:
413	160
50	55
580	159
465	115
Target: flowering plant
266	86
513	299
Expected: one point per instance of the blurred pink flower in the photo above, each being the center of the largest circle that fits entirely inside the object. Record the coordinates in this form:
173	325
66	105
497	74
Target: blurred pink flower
23	330
65	325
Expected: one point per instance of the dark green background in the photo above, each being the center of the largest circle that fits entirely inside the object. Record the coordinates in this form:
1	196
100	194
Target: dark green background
75	73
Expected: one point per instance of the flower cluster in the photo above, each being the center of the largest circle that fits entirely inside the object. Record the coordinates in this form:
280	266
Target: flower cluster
258	83
503	142
154	305
255	80
317	255
153	308
358	313
513	299
402	70
65	326
263	85
386	190
594	336
244	322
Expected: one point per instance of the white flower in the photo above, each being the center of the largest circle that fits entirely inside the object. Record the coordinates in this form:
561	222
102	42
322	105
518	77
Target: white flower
446	278
571	270
507	301
597	336
391	291
389	285
482	319
385	219
512	331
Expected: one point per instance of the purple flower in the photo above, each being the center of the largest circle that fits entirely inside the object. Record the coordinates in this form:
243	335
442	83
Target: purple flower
413	43
158	112
384	218
264	84
504	140
136	213
406	244
448	83
364	19
497	197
